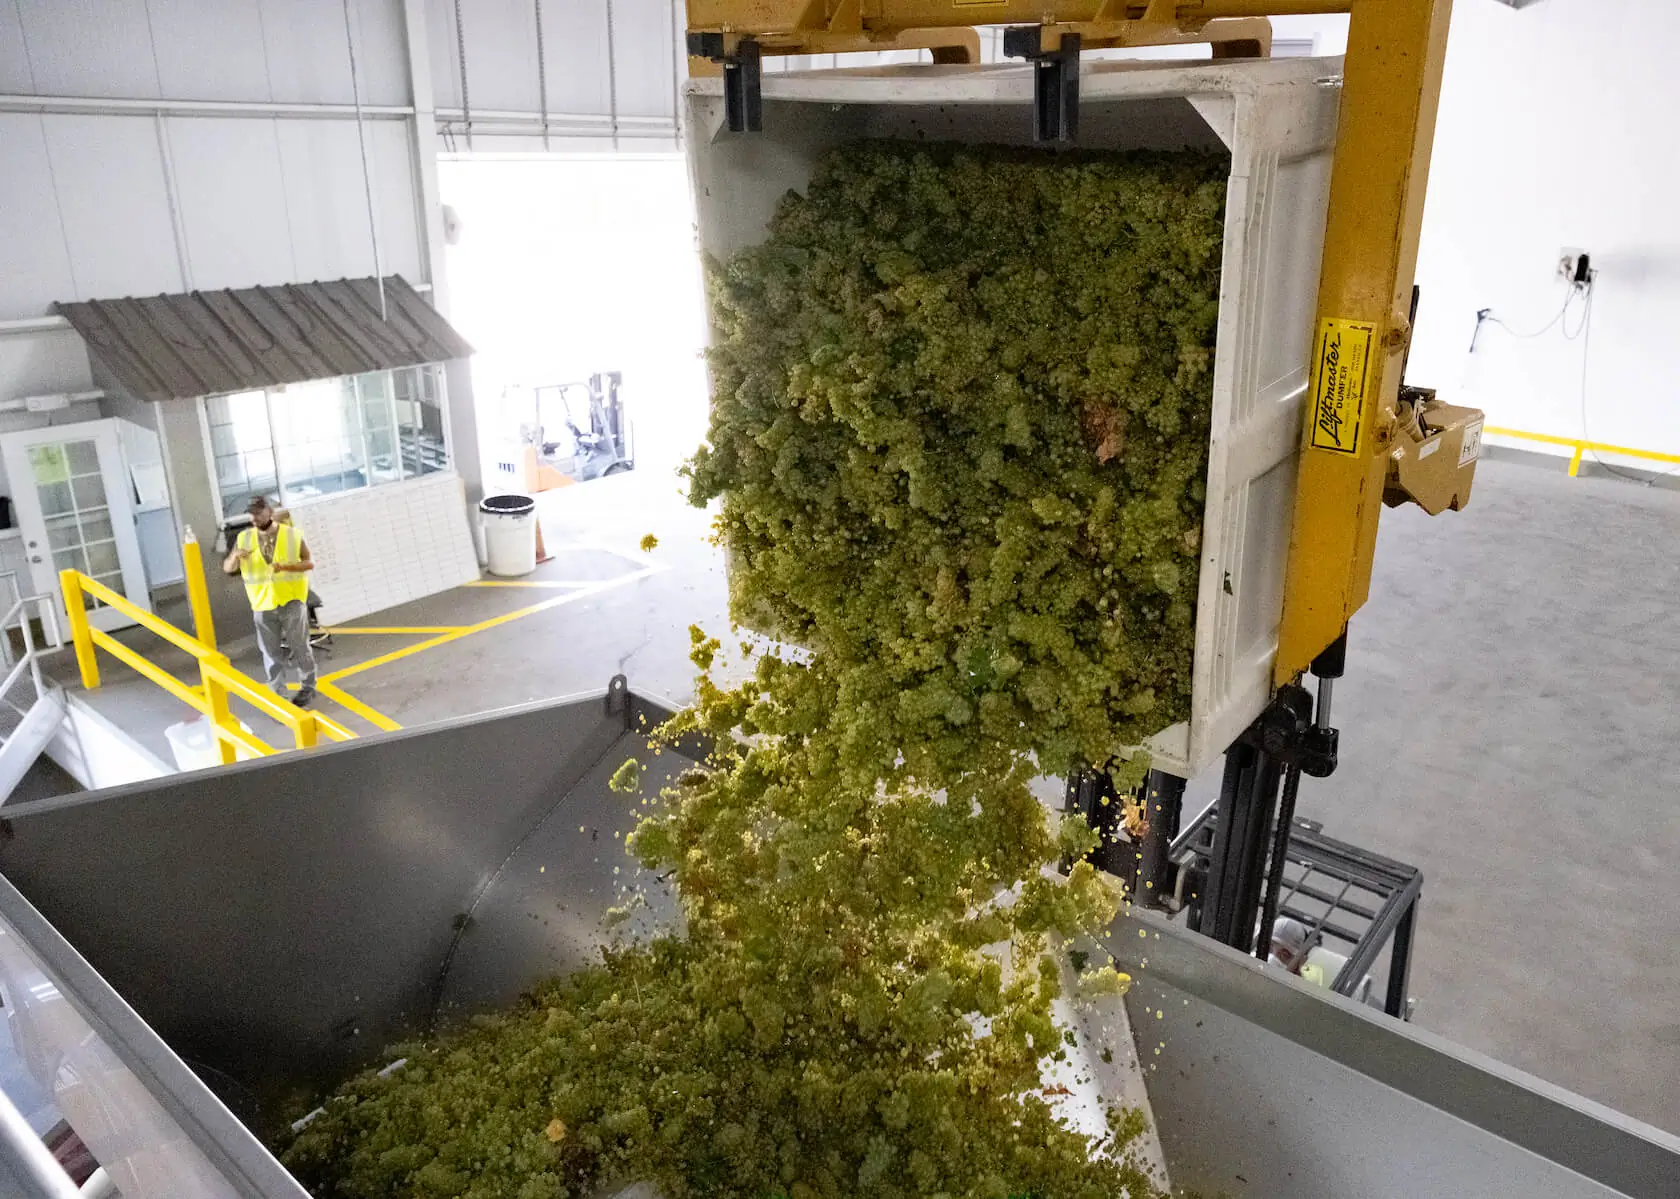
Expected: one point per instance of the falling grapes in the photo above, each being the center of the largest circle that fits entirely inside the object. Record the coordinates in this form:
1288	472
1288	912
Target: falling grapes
959	432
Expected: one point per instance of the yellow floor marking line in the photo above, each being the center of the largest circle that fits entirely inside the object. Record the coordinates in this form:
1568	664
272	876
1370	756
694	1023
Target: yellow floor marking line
518	613
332	728
393	656
399	631
334	731
351	704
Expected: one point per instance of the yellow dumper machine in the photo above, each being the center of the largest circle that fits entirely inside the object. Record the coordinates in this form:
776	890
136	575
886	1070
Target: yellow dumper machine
177	961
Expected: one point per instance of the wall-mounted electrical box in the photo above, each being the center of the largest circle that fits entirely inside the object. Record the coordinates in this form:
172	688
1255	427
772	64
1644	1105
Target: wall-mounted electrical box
1572	265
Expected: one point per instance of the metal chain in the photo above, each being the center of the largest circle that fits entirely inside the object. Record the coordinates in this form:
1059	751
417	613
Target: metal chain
542	76
461	54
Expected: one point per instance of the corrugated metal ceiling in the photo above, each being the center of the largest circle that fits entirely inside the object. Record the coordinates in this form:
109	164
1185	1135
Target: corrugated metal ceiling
206	342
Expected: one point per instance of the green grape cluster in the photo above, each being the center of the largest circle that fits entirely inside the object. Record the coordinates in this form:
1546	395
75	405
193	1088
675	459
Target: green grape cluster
814	1030
959	431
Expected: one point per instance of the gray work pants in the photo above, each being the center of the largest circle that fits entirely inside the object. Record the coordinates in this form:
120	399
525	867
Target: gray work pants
288	625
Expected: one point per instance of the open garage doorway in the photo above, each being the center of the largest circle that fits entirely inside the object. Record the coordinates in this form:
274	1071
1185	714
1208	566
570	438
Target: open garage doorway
563	270
566	271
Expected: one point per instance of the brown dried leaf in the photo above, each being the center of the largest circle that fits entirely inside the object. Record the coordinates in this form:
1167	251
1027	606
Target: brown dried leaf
1105	425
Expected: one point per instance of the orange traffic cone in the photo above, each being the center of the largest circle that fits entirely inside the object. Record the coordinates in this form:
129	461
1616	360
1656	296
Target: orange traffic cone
542	554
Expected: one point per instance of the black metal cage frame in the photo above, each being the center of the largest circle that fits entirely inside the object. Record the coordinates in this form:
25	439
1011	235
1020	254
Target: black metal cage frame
1324	887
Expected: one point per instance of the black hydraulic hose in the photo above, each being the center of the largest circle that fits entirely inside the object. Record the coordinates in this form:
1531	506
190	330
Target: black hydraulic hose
1280	848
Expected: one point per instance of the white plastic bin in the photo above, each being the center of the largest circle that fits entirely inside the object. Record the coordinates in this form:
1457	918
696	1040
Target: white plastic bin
194	745
510	533
1277	119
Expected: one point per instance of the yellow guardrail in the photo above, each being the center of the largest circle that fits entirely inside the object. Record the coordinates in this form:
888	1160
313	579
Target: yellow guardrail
1581	447
219	679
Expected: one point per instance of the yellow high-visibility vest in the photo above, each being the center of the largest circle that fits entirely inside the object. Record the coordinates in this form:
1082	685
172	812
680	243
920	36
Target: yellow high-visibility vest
265	588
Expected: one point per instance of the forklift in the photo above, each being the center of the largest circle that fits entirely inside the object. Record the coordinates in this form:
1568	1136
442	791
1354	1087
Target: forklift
577	432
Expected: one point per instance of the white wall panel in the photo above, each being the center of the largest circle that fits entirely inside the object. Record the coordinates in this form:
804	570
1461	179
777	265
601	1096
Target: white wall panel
309	62
322	171
43	363
15	75
576	45
440	46
401	236
209	49
502	51
114	205
1553	133
232	197
90	47
502	57
642	34
381	50
36	264
307	59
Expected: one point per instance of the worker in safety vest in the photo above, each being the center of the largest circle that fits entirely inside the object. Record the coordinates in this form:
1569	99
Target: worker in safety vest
1289	950
275	562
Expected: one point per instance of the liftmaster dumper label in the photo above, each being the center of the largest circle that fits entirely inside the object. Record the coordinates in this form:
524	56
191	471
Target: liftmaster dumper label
1341	370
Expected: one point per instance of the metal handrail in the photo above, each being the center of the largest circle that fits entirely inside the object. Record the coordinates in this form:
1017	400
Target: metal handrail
152	623
101	1015
27	1167
218	677
46	608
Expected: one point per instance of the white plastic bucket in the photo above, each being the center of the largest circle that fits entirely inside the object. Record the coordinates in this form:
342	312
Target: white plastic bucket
194	746
510	533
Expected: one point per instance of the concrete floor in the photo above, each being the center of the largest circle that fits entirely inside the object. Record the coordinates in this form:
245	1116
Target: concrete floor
1506	726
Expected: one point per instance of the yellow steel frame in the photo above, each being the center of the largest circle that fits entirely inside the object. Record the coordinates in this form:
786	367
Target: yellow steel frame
1390	92
218	678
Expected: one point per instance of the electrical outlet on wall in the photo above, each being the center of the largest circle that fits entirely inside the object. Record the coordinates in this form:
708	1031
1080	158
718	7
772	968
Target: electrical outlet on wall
1568	262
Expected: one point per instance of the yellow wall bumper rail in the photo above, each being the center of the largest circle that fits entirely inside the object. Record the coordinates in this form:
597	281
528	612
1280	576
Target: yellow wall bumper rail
219	679
1581	446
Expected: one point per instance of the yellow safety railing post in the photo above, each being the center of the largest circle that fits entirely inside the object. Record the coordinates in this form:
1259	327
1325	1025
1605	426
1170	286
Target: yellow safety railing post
307	732
81	633
216	706
198	592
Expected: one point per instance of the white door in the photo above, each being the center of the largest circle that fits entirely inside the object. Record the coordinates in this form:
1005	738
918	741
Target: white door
75	507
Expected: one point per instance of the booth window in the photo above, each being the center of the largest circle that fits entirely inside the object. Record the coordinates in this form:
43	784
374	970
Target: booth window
327	436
